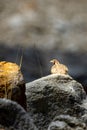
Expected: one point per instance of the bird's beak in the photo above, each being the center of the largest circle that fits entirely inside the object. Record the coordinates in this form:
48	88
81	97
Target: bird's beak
51	61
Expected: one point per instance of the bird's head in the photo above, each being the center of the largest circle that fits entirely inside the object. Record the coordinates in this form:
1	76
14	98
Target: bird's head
54	61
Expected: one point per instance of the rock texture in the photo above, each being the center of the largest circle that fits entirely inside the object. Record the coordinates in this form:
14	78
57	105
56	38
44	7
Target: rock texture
55	95
54	102
66	122
12	84
14	117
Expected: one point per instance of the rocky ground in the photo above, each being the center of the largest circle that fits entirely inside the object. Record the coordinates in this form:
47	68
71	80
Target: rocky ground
39	31
53	102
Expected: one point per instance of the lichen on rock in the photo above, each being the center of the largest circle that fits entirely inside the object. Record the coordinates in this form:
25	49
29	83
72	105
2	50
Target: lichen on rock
12	84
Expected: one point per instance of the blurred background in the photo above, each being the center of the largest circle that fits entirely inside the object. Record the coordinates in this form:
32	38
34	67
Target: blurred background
41	30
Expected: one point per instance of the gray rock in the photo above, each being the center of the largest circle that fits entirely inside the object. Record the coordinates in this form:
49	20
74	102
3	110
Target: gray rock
14	117
55	102
52	96
66	122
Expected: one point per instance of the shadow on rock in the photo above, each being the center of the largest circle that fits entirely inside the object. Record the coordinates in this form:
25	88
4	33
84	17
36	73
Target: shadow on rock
13	116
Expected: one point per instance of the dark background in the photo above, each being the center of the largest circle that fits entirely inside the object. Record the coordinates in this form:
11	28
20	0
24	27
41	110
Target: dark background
42	30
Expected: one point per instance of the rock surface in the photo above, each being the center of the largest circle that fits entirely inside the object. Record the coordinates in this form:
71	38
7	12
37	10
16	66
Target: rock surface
12	84
66	122
14	117
54	102
55	95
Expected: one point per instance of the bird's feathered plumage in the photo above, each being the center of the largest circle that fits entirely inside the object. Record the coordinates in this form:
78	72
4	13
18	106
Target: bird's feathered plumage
58	68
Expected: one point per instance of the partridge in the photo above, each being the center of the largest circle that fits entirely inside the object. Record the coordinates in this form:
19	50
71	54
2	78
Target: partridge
58	68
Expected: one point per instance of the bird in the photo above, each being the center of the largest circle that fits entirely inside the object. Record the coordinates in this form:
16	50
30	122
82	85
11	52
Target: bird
58	68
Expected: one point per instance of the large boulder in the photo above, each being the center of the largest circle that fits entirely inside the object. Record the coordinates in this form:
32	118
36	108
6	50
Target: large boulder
14	117
53	96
